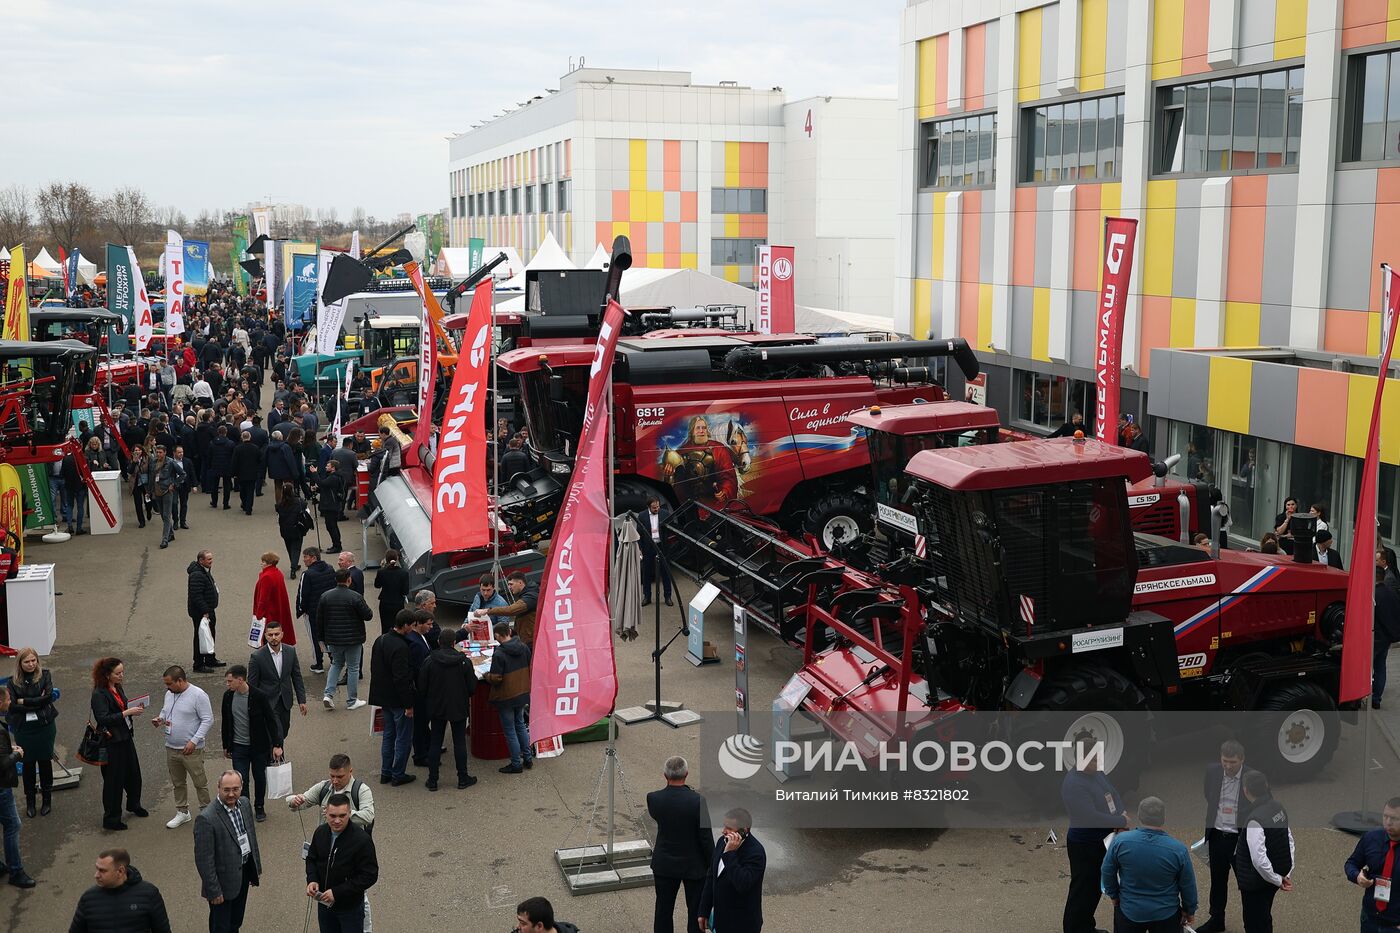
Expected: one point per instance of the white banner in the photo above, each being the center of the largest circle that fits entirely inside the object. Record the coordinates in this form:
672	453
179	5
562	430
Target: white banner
349	377
262	222
270	280
355	245
145	326
329	317
174	283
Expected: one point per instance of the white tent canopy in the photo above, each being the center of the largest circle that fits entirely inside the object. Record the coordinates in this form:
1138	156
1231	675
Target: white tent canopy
456	262
46	262
4	253
87	269
673	288
599	260
830	321
548	256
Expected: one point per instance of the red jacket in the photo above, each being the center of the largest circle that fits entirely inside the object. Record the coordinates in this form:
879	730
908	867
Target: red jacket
270	602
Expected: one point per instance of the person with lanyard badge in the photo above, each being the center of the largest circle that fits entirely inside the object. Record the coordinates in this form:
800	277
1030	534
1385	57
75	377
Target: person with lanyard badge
341	866
226	854
187	717
1095	811
1372	867
1224	795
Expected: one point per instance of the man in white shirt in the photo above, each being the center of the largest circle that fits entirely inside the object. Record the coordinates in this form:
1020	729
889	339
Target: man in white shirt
649	526
187	716
1224	802
275	672
203	392
1264	858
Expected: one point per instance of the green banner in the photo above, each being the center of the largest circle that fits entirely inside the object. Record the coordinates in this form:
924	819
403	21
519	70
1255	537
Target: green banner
122	285
475	247
240	246
38	498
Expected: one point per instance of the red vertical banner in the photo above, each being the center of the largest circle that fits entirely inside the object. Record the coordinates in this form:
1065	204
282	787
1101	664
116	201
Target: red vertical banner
1361	582
1119	234
427	369
460	501
573	676
777	302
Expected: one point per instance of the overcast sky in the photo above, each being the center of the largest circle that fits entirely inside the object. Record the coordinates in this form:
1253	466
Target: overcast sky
347	103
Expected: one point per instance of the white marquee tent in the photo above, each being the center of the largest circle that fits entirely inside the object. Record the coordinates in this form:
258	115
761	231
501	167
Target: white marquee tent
548	256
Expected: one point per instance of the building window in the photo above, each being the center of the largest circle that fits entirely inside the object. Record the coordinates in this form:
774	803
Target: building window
1371	109
959	153
544	197
515	200
734	251
1231	124
1048	402
491	203
739	200
529	199
563	195
1082	139
481	204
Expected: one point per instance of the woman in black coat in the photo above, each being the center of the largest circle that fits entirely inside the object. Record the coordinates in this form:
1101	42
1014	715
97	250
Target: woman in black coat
391	580
291	525
32	715
112	714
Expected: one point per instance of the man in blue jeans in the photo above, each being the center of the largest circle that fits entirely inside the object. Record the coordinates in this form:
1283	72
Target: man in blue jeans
342	614
509	678
10	755
391	687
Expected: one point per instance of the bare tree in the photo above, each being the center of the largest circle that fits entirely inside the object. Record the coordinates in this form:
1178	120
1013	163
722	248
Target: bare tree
171	218
358	218
16	215
130	212
70	210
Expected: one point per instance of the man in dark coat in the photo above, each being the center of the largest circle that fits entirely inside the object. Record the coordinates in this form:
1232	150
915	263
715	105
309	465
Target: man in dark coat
391	688
681	855
341	865
262	439
330	489
1225	804
281	465
318	580
734	895
252	733
649	526
342	614
346	466
121	901
247	463
1385	631
220	467
446	684
226	854
202	599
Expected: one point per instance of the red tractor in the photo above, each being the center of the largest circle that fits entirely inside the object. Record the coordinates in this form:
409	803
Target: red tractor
733	420
1036	593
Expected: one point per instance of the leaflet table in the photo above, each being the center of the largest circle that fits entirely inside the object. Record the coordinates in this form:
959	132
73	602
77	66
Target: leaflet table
30	607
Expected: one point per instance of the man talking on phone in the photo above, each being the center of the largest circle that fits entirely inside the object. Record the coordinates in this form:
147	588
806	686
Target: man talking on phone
732	900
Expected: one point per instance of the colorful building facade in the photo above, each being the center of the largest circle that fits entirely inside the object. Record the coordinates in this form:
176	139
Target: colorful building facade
1257	143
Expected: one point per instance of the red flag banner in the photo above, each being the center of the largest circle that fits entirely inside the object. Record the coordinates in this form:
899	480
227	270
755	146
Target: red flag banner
777	303
573	676
460	502
1119	234
1361	582
427	369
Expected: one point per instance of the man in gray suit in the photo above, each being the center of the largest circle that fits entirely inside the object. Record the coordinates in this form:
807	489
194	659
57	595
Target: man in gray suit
273	671
226	854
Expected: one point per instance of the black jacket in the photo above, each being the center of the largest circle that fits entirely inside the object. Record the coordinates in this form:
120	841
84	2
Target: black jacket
1386	629
281	461
331	489
683	838
1214	775
246	462
1273	819
342	614
391	672
202	595
221	457
514	462
107	715
349	871
392	583
643	523
135	907
446	683
264	728
736	896
316	580
1332	559
289	513
32	696
9	757
509	675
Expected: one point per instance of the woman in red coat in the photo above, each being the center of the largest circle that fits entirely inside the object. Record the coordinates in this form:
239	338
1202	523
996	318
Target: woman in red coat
270	598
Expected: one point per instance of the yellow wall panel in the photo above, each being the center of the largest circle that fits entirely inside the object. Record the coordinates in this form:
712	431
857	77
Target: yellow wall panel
731	226
1373	337
1290	28
1392	33
984	317
731	165
1229	392
730	273
1361	395
922	320
1390	423
621	228
1159	238
1168	23
1183	322
656	260
1093	44
1241	324
656	206
1040	324
690	260
1030	23
637	206
637	155
940	201
928	75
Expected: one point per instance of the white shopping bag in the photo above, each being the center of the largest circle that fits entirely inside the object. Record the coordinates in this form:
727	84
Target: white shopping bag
550	748
206	636
255	633
279	780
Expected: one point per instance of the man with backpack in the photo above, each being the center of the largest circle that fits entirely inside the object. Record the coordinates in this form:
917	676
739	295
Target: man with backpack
341	780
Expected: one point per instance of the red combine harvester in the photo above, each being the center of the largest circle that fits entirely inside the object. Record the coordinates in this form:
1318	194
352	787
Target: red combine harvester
745	421
92	326
1035	592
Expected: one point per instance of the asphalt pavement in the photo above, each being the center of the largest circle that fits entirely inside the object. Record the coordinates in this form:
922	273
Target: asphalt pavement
463	859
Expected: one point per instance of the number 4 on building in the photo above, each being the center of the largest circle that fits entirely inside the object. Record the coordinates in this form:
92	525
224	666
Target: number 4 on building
808	125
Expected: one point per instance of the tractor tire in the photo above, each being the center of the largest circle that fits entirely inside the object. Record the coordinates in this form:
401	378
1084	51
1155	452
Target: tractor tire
1098	693
840	516
1304	732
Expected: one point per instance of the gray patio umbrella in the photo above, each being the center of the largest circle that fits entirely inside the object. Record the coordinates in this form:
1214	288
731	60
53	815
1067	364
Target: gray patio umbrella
625	598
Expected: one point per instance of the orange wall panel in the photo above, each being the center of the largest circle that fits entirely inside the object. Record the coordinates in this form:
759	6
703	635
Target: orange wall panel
1155	329
1345	332
1321	390
974	66
1363	22
1087	233
1023	238
1248	212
